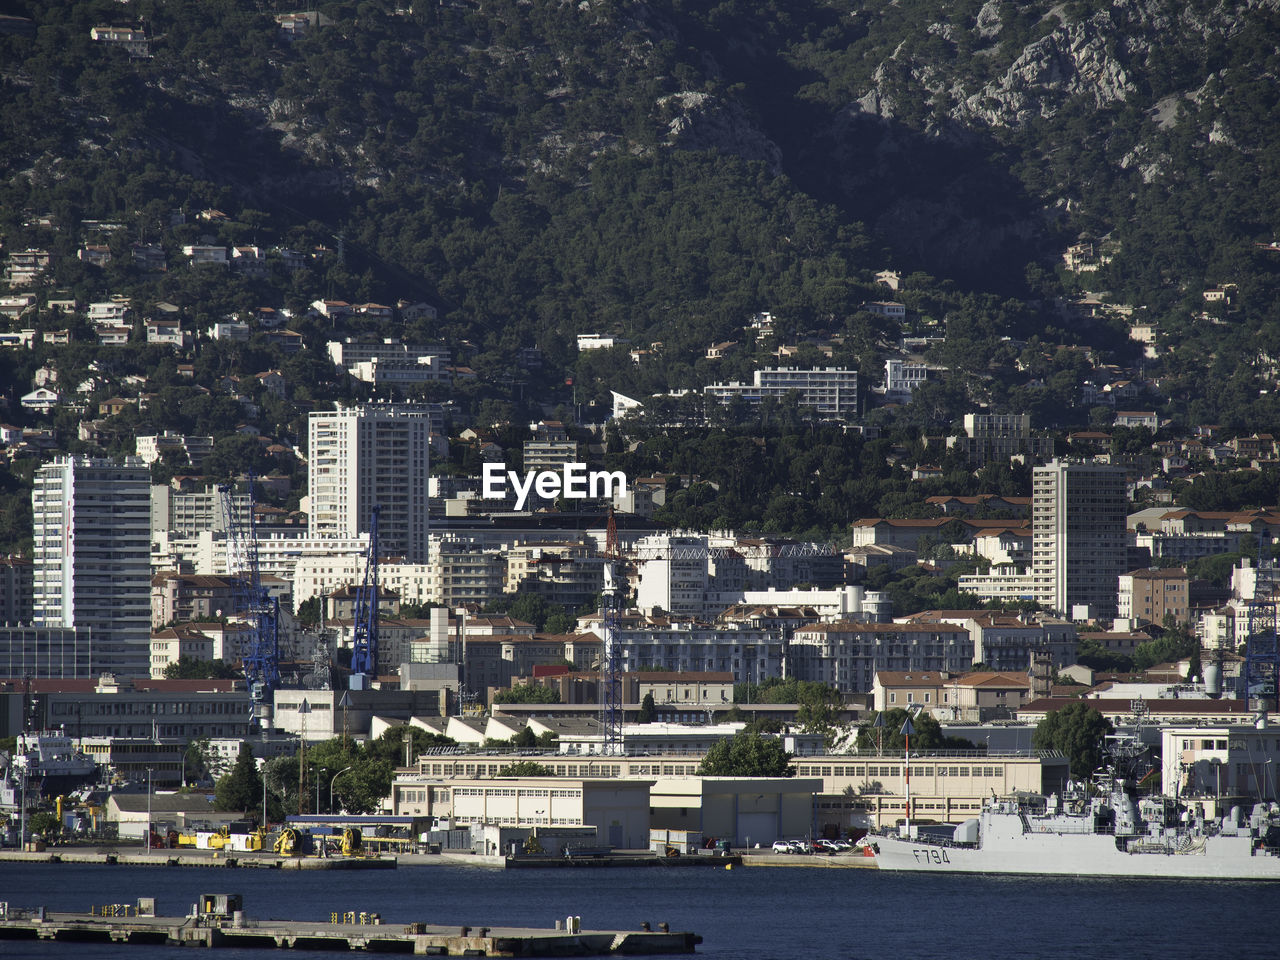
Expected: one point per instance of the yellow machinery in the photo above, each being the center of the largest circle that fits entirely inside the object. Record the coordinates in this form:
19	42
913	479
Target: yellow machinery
289	843
351	841
223	839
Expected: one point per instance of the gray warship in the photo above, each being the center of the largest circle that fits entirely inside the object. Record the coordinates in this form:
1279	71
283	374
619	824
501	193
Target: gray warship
1095	830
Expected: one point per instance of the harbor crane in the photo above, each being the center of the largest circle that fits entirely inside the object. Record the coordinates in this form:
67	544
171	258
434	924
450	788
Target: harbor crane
364	646
254	604
611	711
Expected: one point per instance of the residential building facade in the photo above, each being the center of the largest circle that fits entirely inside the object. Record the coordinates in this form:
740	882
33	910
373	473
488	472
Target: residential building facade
374	454
92	556
1078	515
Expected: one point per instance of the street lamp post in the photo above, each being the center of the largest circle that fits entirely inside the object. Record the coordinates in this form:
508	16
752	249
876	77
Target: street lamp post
331	783
303	709
149	809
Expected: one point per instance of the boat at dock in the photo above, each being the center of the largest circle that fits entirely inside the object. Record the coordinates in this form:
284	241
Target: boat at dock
1094	831
51	764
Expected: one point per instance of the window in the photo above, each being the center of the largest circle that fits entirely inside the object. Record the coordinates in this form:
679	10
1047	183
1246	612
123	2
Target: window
893	698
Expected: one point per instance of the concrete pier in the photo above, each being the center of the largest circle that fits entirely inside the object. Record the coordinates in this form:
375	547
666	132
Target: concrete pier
415	938
134	857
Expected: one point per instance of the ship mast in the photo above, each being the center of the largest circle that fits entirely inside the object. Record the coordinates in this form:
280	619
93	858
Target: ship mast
907	731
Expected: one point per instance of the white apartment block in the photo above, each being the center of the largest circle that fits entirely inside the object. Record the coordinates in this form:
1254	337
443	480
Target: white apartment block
1079	540
350	351
999	586
832	391
201	254
91	556
187	515
461	573
548	454
596	341
25	266
150	449
110	312
1005	642
692	575
750	654
374	454
901	379
570	574
676	579
1185	547
834	604
991	437
403	372
848	655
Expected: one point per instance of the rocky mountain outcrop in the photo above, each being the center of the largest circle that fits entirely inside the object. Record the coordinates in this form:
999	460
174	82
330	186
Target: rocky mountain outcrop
1075	60
1093	60
701	121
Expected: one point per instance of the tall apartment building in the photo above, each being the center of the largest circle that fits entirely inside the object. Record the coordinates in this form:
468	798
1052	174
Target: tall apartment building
1148	596
92	562
15	590
374	454
994	437
548	454
190	514
1078	550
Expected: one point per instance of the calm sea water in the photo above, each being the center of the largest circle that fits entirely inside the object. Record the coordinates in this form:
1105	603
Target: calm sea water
745	914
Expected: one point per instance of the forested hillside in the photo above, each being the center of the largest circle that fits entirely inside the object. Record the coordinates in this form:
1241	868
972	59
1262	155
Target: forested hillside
660	170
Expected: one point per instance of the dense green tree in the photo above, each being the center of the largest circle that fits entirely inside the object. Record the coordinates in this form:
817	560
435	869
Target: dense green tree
526	768
241	789
527	693
190	668
1092	654
196	761
45	824
746	755
1170	647
928	734
648	710
1077	731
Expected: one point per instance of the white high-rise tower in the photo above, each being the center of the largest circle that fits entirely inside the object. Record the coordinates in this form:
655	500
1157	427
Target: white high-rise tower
1079	544
92	563
371	454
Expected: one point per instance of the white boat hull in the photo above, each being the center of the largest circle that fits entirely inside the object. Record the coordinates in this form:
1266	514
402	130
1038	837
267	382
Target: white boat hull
1212	858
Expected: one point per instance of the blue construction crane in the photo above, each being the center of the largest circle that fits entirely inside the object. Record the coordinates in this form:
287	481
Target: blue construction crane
253	602
364	646
1262	644
612	597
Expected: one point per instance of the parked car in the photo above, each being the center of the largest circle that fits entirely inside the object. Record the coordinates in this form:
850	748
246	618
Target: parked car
826	846
782	846
798	846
